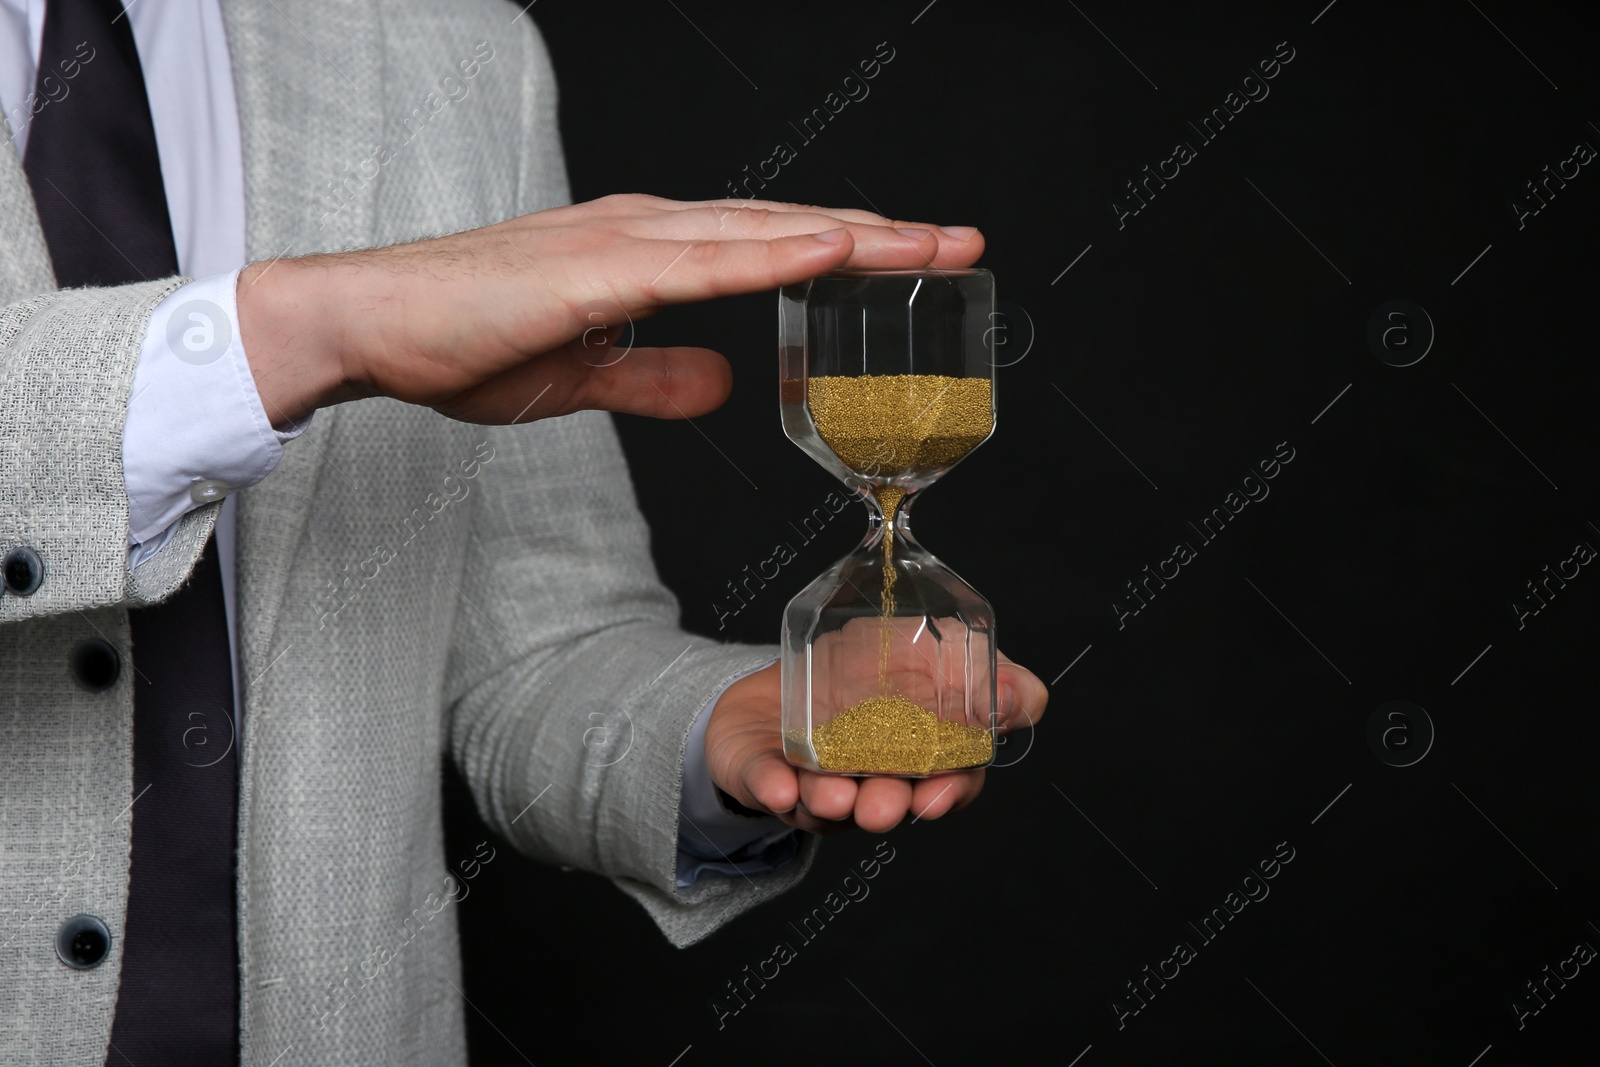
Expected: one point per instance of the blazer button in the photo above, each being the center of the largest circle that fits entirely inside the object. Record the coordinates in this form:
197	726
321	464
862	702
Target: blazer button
96	664
83	942
22	571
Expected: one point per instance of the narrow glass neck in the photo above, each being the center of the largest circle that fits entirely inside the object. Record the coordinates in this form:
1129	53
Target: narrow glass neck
890	504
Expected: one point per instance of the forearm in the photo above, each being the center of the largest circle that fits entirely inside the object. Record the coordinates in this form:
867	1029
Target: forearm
572	691
578	758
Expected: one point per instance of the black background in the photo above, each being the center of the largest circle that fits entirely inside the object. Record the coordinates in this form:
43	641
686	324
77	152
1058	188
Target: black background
1228	715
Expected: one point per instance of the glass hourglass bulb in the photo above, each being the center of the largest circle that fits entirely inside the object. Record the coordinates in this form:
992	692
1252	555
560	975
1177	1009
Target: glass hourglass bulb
888	657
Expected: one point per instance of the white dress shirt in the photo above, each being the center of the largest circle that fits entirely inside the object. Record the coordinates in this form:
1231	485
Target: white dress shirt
194	414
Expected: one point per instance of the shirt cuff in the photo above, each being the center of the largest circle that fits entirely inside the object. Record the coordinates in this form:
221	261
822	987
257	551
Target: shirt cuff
195	429
713	839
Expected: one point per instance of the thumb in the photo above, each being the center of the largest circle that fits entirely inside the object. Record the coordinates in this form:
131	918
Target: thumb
662	383
1020	695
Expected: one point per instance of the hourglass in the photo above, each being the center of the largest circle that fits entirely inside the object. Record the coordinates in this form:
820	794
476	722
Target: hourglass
887	380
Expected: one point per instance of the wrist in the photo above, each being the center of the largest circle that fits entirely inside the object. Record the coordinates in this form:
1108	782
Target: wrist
289	326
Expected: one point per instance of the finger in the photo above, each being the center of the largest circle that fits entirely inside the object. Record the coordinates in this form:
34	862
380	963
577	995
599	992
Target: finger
701	270
624	206
850	214
770	782
959	246
844	214
662	383
873	236
933	797
881	803
827	796
912	247
969	794
666	272
1020	696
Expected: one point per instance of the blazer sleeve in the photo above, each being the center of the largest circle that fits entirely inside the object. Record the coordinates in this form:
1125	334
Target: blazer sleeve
571	688
67	361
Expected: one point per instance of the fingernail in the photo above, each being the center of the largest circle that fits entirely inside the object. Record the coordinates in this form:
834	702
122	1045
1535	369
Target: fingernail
960	233
914	234
832	237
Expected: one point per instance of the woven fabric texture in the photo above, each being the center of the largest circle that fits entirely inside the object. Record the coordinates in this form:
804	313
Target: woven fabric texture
411	589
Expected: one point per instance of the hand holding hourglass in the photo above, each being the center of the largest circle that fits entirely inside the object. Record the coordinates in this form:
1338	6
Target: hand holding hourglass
744	753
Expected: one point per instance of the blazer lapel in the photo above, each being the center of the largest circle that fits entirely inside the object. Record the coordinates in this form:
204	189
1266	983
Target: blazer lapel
24	257
308	78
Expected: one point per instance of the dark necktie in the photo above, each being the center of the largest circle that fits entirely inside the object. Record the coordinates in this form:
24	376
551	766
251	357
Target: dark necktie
96	178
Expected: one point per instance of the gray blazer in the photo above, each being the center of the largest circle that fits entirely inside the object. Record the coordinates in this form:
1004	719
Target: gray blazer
409	587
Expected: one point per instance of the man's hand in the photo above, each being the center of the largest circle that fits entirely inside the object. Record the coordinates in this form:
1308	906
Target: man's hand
515	321
744	754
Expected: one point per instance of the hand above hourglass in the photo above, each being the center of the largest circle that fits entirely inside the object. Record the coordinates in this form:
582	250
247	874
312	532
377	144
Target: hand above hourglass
744	745
515	321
